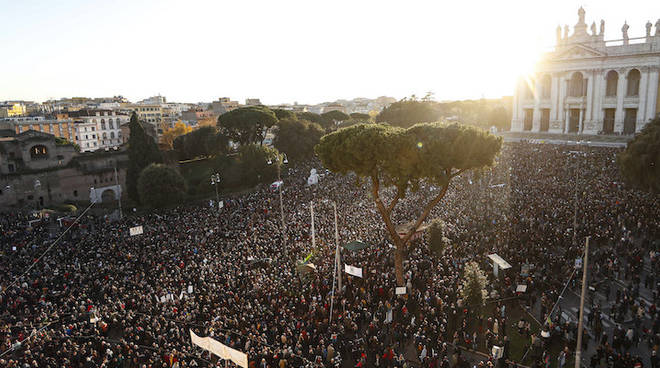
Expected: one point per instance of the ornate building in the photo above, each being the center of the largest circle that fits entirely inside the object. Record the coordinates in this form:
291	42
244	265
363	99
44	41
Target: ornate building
591	86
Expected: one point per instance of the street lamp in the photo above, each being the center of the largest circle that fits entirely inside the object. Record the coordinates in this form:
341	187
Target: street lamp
281	158
215	180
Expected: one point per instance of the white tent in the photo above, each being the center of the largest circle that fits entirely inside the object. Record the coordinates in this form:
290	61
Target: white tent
498	262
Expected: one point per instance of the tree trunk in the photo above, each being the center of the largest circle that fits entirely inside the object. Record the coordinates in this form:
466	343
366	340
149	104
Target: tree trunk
398	265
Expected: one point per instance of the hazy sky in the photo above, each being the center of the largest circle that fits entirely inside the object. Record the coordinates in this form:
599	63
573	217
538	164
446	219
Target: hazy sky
308	51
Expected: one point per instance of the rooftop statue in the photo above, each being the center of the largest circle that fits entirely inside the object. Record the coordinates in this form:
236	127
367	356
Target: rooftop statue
593	29
581	15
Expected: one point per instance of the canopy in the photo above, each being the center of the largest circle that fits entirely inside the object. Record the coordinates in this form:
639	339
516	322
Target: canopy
499	261
356	245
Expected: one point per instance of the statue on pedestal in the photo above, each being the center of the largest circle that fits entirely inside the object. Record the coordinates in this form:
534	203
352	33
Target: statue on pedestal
648	28
581	16
602	27
566	32
624	30
558	35
657	28
593	29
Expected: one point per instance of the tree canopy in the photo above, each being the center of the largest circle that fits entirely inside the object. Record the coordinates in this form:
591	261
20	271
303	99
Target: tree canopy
640	161
160	186
357	116
433	153
408	112
253	163
246	124
297	138
282	114
170	134
142	151
205	141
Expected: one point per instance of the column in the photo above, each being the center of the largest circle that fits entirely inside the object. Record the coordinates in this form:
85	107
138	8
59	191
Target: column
536	120
561	114
643	87
652	98
581	121
554	98
599	114
514	111
565	124
620	94
590	96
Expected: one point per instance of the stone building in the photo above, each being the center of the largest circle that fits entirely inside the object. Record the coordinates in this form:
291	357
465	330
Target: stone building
588	85
38	171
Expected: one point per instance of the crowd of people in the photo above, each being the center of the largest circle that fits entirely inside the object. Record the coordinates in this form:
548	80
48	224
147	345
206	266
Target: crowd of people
101	297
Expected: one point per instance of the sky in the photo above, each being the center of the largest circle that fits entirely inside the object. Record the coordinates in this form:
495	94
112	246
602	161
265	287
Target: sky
285	51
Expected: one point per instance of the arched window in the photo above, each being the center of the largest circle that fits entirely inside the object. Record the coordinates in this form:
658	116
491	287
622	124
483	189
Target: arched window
102	124
576	85
112	135
105	135
633	83
111	124
612	81
546	86
38	152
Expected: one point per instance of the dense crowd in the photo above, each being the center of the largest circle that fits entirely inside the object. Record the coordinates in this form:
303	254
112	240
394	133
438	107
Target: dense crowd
101	297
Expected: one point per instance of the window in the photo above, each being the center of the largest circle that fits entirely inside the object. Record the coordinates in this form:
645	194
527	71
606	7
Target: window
633	83
529	118
630	121
111	125
11	168
93	129
102	124
608	123
38	152
105	135
612	81
75	193
112	135
576	85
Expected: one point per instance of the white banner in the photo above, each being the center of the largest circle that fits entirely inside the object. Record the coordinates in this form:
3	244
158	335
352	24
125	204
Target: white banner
221	204
400	290
190	289
135	230
521	288
355	271
221	350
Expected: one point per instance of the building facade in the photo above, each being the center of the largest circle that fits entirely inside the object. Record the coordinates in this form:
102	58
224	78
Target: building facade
37	171
588	85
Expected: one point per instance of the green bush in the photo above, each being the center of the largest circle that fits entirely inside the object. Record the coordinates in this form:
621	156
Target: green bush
438	242
160	186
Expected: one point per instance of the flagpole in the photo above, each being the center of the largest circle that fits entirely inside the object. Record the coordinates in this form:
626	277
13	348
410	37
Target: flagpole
578	347
311	209
334	273
337	252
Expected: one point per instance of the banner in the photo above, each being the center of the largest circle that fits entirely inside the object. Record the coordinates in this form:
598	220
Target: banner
400	290
135	230
202	342
355	271
221	350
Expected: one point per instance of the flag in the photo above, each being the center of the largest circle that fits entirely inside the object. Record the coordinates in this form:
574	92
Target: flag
351	270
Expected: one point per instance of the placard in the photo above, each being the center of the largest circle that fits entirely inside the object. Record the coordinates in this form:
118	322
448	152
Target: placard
135	230
400	290
521	288
355	271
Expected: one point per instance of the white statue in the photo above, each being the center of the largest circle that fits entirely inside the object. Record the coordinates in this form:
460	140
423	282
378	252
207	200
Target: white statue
602	27
558	34
648	29
593	29
657	28
624	30
581	15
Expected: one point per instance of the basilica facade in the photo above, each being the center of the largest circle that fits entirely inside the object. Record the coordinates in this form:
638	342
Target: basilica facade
588	85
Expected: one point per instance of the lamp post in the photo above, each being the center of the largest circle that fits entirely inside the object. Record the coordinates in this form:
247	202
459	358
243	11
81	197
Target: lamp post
215	180
281	159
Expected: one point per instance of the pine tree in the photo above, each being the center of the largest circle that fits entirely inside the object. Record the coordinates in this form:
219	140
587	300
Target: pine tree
142	151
